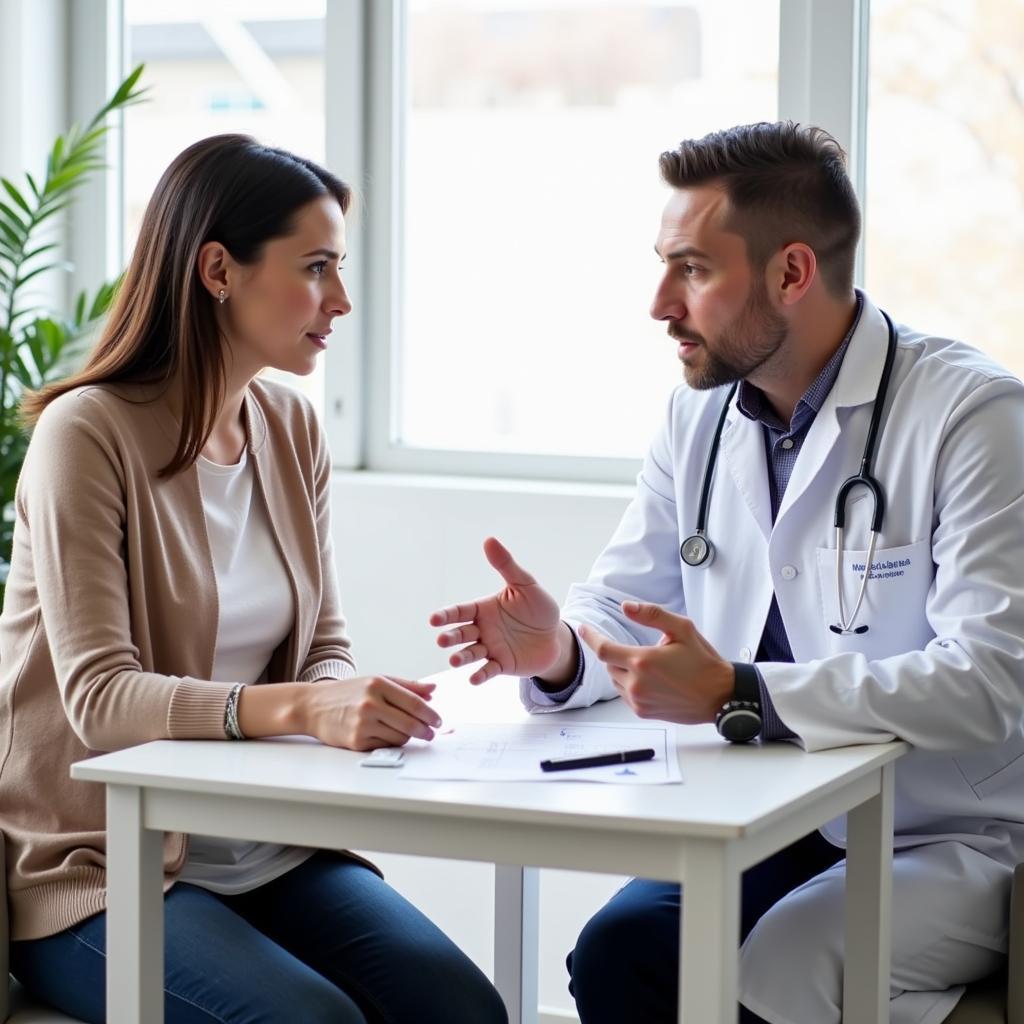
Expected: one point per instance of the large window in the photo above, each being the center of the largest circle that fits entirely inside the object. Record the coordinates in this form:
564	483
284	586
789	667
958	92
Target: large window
505	158
255	67
945	184
529	140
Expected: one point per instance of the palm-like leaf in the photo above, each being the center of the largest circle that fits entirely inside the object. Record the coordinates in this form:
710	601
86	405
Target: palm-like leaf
37	345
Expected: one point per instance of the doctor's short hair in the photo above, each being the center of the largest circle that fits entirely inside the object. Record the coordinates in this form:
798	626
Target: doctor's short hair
786	183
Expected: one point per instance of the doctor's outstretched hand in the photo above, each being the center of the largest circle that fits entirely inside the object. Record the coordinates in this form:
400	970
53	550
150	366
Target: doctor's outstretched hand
680	679
514	632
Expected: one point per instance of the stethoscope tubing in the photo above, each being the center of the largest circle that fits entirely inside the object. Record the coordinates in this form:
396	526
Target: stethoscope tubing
709	467
865	477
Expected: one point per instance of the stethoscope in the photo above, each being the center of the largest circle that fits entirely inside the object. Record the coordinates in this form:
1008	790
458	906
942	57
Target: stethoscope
697	551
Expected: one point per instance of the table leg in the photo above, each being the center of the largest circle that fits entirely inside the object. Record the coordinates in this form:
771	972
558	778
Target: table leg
868	899
516	934
135	912
710	935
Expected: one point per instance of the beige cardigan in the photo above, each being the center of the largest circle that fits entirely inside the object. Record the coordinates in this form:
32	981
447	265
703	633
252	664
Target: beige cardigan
110	619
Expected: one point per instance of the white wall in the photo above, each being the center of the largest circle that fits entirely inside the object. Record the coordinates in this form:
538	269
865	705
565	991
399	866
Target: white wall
408	545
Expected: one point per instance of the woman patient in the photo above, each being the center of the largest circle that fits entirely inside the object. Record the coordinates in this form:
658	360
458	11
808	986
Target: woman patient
173	578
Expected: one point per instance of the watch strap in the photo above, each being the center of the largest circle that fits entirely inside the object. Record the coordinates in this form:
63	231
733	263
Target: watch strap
740	719
748	683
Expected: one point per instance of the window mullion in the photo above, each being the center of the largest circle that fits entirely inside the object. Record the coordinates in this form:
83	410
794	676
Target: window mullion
384	189
345	86
97	59
823	63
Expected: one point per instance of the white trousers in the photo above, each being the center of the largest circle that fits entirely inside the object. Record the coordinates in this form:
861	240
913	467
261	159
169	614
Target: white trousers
950	908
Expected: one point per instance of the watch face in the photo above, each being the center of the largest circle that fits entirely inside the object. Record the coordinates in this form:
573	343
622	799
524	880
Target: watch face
739	725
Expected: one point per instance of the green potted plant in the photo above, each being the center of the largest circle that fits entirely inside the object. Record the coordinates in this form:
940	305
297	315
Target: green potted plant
39	344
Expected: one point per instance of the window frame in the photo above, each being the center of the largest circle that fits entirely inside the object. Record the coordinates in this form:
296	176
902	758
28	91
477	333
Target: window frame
823	61
822	80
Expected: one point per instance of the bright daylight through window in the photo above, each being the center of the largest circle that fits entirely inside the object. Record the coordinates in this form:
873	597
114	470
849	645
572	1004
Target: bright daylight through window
945	189
529	190
532	202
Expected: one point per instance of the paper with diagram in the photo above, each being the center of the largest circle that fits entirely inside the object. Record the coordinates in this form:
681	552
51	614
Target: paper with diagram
486	752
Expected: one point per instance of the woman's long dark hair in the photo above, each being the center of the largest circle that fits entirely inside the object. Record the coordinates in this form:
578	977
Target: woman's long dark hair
162	326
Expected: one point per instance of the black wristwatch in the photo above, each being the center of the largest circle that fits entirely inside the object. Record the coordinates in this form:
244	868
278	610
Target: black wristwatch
739	721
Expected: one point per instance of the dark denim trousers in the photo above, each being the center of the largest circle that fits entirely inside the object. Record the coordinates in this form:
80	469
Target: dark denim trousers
625	966
327	942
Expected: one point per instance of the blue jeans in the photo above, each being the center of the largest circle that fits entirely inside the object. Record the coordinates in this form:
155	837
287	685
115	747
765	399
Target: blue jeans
327	942
625	966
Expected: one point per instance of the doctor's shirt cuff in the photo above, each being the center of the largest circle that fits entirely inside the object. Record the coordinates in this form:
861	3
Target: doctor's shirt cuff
548	698
772	727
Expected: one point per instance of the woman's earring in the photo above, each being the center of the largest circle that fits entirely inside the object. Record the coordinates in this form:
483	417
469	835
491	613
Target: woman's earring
221	296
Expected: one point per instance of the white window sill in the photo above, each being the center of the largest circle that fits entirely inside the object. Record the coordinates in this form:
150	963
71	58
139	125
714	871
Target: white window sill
479	485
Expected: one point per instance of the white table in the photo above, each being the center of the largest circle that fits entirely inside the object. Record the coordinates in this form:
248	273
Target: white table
737	806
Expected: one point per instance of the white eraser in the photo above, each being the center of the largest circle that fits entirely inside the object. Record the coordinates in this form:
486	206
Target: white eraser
384	757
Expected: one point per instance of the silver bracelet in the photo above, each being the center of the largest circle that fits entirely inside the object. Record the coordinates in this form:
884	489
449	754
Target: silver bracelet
231	727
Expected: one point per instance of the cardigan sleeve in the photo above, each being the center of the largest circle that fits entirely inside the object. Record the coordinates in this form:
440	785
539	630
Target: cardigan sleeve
329	655
71	499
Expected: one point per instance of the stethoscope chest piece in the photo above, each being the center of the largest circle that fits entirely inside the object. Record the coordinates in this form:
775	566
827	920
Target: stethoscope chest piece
697	551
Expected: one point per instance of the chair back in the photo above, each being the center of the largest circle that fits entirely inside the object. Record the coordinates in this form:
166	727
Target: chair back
5	978
1015	988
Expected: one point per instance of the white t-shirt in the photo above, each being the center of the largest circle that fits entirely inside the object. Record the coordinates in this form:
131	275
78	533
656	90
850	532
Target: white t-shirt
256	612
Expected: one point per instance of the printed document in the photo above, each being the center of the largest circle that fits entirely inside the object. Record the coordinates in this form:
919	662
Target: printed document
507	752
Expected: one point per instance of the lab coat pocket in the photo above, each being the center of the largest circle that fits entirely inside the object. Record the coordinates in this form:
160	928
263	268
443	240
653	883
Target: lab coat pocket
893	608
988	771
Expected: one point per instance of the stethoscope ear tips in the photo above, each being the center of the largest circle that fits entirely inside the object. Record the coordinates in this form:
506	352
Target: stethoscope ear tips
839	631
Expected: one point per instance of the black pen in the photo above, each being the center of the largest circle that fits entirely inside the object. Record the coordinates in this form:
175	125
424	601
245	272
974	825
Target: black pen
563	764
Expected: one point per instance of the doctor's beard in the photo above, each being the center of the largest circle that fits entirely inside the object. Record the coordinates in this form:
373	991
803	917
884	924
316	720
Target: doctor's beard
733	355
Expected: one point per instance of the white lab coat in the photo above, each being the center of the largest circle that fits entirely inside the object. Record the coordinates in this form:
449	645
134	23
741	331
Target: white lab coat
942	663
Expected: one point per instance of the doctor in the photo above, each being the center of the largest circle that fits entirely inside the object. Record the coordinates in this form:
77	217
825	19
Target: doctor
758	613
